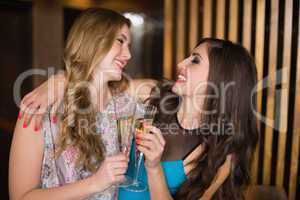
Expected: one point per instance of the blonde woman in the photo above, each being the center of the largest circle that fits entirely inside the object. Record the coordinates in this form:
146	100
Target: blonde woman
63	159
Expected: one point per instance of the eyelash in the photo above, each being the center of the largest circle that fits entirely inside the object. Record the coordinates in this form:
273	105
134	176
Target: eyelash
195	60
121	41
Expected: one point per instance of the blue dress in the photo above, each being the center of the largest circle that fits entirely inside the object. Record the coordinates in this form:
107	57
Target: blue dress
173	171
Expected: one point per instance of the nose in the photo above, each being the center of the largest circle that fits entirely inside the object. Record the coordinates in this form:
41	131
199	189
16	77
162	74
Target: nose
180	65
126	55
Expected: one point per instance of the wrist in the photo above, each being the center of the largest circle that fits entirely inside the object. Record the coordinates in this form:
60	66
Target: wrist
96	185
153	169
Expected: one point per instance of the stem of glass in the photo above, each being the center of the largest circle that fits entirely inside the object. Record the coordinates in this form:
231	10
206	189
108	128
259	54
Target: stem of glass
137	168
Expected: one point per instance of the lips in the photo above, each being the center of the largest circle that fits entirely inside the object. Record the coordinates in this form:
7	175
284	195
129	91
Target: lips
181	77
120	64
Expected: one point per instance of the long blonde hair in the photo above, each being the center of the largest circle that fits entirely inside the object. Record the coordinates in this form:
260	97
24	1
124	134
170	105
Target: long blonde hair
90	38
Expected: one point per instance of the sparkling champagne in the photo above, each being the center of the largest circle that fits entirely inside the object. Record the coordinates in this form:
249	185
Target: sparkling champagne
125	125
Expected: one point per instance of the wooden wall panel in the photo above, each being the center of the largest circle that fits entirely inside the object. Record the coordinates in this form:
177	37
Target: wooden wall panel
271	92
296	135
259	59
181	31
194	13
233	20
168	35
284	101
207	18
220	29
247	20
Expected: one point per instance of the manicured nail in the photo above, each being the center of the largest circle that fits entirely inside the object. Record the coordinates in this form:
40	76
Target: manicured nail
24	125
36	129
20	115
54	119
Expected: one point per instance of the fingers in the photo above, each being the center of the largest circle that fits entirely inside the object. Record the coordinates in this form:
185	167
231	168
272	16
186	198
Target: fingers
120	165
38	119
27	116
23	107
158	134
149	140
117	158
53	111
26	101
144	150
120	178
147	144
120	171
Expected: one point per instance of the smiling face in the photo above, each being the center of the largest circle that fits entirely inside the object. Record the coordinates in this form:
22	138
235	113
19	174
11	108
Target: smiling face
113	63
192	73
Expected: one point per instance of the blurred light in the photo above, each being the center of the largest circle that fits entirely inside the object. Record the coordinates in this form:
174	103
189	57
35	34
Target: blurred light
135	19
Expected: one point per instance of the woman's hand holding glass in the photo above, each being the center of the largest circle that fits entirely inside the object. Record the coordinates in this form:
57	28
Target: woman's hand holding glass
151	145
111	172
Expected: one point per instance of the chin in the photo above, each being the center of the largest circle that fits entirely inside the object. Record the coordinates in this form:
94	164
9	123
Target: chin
115	77
177	89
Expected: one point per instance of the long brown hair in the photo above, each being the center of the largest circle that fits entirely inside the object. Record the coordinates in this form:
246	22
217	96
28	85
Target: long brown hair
90	38
228	62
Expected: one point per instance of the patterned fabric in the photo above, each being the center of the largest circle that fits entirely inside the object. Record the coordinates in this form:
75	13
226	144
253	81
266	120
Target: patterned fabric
61	171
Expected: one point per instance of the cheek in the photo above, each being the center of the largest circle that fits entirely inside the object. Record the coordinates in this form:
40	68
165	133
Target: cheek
197	82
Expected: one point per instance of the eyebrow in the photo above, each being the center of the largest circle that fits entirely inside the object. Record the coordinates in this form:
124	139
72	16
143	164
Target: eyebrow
196	54
124	36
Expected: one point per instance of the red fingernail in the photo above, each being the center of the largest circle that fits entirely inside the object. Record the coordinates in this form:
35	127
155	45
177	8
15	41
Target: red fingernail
24	125
36	129
20	115
54	119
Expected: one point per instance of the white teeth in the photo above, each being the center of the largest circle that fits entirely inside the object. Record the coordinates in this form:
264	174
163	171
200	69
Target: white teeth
181	77
119	63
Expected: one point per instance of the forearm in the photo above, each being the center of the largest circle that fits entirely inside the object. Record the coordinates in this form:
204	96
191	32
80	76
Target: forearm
78	190
157	184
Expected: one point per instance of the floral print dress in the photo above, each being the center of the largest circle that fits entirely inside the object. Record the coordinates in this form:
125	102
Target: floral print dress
61	171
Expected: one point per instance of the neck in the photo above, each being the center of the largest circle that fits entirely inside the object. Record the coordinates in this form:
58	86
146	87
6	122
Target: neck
101	95
189	113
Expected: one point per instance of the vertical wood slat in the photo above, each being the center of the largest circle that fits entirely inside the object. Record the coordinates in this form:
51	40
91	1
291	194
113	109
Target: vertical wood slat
247	16
296	131
233	20
271	92
194	8
168	42
284	92
180	54
259	47
259	59
220	29
207	18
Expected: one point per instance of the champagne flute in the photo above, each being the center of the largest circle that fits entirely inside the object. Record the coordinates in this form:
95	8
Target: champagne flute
147	118
125	129
125	126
